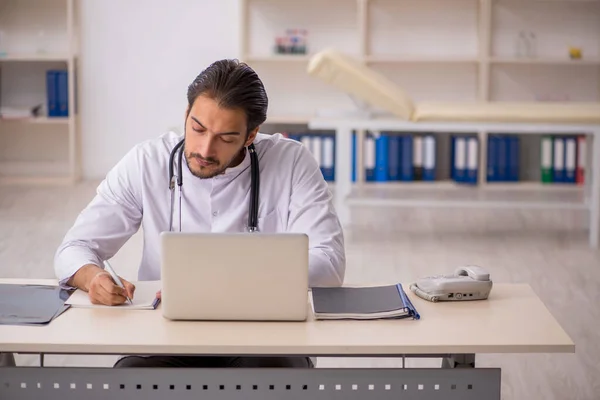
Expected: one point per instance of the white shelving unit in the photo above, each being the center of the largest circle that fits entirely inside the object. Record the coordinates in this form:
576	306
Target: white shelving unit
36	36
435	49
422	194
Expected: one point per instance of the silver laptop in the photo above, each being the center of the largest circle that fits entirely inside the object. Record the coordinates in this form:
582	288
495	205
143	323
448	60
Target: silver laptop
234	276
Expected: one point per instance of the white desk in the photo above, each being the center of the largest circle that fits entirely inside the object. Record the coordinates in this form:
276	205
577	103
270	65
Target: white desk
512	320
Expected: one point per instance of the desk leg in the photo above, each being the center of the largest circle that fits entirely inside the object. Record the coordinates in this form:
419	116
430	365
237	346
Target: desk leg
343	169
7	360
459	361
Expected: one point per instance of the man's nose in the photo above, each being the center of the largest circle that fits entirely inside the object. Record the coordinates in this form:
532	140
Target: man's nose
209	147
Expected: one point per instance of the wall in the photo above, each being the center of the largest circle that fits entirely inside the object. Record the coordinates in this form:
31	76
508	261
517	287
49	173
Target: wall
137	58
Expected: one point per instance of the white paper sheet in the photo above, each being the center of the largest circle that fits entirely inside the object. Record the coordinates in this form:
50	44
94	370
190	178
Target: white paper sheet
144	297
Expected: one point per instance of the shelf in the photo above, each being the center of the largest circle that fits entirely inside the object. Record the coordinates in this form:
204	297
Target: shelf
50	57
465	196
545	61
451	185
28	172
35	180
420	59
38	120
288	119
279	58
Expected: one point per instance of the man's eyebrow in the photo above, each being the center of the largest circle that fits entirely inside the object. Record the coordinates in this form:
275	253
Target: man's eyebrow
220	134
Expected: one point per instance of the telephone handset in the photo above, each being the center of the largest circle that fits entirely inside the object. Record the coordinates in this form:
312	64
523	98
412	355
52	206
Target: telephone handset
470	282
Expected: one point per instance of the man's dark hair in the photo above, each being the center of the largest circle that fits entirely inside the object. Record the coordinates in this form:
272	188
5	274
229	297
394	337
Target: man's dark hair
232	84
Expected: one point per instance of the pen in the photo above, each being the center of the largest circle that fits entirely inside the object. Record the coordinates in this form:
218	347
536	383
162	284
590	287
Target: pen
115	278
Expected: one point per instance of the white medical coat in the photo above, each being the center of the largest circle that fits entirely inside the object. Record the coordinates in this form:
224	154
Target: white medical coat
294	197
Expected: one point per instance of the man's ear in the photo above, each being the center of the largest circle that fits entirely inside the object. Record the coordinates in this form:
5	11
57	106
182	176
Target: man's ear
251	137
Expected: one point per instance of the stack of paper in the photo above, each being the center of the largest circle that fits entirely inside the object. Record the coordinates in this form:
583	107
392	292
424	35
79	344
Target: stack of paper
144	298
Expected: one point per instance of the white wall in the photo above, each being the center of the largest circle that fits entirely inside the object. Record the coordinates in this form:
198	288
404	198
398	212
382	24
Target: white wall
137	58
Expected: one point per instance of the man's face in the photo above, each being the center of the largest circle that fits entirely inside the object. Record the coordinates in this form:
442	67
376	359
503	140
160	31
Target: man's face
214	137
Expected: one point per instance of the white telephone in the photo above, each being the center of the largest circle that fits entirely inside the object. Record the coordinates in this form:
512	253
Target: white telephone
467	283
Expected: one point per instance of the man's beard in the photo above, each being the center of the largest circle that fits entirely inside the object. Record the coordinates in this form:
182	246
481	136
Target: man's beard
216	168
203	172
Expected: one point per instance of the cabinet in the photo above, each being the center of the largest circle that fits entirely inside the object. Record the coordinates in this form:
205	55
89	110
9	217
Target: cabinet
38	110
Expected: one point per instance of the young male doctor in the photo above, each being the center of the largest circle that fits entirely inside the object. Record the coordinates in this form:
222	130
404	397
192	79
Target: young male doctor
227	103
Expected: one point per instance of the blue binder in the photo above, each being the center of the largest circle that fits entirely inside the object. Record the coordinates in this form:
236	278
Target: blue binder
328	157
492	158
559	159
429	159
513	158
394	157
406	160
381	158
52	93
62	93
370	150
353	156
472	160
570	159
502	158
458	169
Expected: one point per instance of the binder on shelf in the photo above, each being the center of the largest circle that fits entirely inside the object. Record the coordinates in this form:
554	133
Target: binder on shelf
502	158
512	163
581	153
382	158
52	93
559	160
328	160
546	159
418	158
492	158
472	160
570	159
369	157
354	156
362	303
406	158
429	158
394	157
459	151
62	90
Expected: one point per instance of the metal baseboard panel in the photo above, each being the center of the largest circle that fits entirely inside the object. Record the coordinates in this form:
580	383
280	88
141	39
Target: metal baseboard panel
65	383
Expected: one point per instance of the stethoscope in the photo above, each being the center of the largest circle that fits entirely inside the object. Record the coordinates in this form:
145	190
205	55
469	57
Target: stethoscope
254	185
